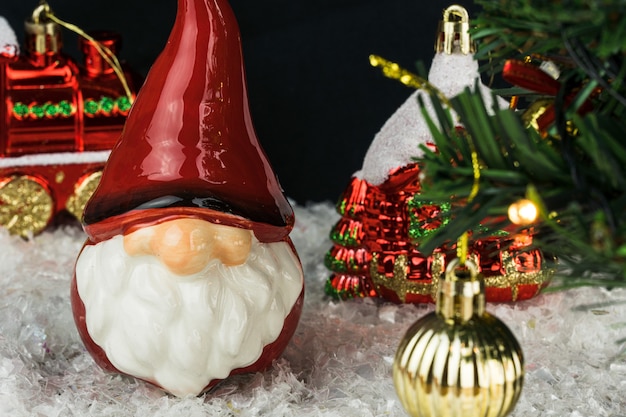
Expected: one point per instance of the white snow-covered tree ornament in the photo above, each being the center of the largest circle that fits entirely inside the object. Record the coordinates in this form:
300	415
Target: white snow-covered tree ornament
376	241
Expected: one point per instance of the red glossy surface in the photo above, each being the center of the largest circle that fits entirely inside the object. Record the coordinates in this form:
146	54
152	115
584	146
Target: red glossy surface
43	102
63	80
189	139
532	78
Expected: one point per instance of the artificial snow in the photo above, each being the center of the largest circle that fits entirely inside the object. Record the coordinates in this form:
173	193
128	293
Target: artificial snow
338	363
55	158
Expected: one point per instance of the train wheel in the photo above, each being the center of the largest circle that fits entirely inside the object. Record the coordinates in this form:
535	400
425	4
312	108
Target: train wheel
26	205
83	190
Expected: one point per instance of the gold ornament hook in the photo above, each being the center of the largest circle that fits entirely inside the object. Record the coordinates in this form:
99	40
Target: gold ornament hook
454	32
461	293
44	27
462	270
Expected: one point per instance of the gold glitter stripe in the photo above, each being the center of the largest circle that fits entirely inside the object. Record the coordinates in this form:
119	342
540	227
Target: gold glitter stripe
402	286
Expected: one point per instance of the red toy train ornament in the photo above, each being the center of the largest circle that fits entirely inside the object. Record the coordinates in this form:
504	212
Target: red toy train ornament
59	120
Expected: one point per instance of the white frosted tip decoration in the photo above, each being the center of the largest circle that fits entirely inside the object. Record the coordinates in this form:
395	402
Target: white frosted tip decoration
397	143
7	35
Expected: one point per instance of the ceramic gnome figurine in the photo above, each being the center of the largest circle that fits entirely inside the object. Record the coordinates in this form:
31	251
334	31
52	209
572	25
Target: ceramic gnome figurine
376	241
188	275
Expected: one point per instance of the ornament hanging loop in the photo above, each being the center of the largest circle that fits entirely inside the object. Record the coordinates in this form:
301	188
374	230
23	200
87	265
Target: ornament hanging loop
458	271
43	35
453	32
44	30
461	293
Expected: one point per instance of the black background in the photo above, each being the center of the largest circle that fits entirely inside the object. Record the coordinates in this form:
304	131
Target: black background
315	100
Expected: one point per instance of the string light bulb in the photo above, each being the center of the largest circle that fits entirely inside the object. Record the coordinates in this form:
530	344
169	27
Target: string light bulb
523	212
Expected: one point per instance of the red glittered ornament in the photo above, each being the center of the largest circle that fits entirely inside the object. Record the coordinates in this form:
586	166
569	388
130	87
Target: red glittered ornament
205	280
375	248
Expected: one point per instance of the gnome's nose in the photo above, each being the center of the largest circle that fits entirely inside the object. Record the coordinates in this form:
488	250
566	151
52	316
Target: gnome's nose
187	245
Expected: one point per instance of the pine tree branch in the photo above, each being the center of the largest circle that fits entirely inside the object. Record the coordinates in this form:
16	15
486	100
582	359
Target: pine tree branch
573	166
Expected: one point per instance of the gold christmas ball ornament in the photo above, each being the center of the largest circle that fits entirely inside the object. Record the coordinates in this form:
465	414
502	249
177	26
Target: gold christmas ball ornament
459	361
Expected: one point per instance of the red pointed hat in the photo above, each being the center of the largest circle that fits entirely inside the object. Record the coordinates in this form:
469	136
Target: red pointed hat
188	146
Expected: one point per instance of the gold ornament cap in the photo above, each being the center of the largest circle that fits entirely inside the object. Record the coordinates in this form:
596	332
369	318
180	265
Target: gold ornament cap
43	36
461	295
453	32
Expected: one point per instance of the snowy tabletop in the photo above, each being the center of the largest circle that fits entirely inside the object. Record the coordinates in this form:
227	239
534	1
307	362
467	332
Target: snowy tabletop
338	363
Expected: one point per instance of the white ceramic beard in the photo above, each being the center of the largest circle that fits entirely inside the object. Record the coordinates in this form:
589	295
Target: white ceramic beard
182	332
